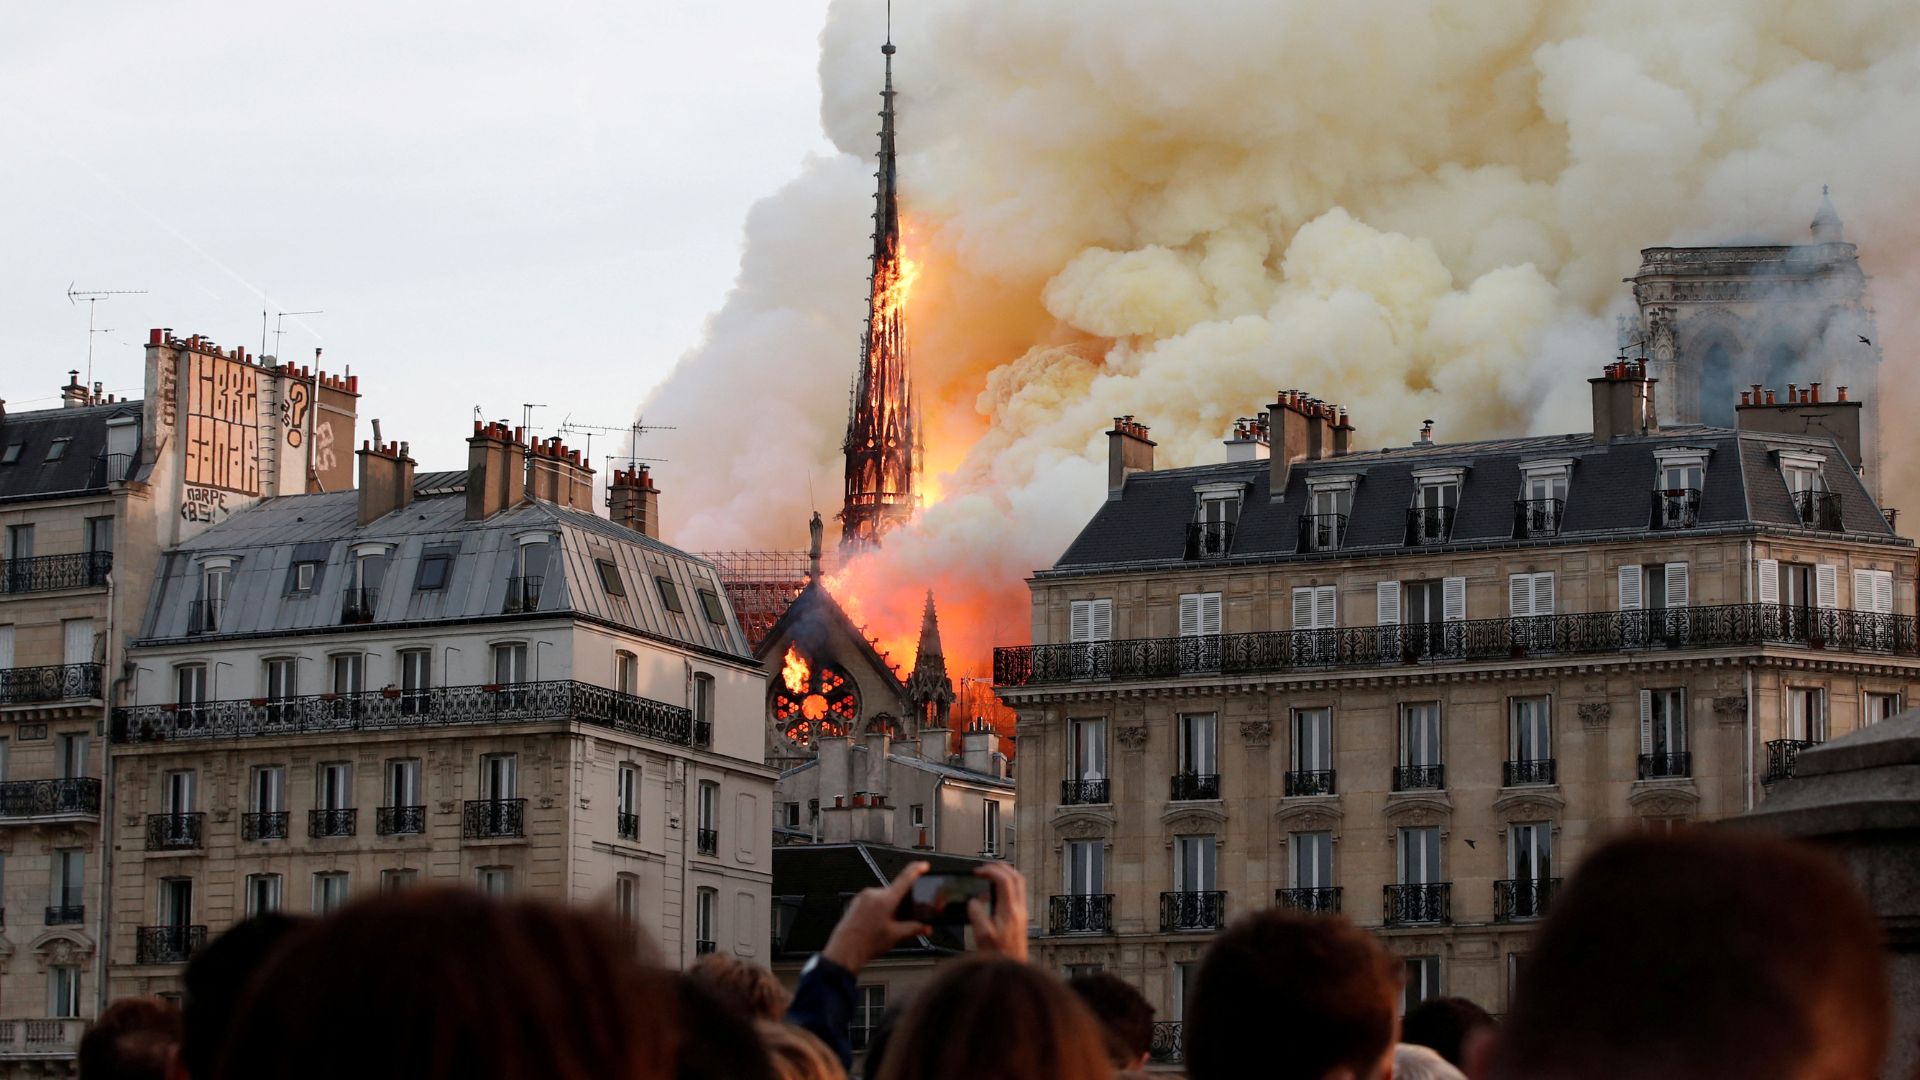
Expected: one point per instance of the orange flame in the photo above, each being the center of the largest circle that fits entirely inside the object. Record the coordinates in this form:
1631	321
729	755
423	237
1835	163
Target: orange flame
794	671
894	286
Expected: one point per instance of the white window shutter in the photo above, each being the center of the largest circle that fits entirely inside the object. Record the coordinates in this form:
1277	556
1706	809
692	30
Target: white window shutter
1543	593
1883	591
1324	604
1677	587
1630	596
1210	613
1768	584
1453	599
1303	609
1646	722
1102	622
1520	595
1863	590
1826	586
1080	626
1190	615
1387	601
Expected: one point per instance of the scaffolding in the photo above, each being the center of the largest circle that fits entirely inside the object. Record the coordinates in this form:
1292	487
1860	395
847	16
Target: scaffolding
761	584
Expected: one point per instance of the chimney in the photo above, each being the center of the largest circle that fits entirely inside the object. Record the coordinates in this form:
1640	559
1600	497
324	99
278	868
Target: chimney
1623	401
633	501
1302	428
386	479
1128	451
879	746
836	810
1342	435
1249	439
933	744
73	395
496	470
977	748
1804	413
558	475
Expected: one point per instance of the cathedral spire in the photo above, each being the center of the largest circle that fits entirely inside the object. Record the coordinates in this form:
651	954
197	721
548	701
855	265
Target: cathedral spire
1826	223
929	687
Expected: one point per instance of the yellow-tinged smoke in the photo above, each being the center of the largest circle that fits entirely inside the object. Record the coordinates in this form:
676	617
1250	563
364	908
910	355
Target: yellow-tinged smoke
1171	211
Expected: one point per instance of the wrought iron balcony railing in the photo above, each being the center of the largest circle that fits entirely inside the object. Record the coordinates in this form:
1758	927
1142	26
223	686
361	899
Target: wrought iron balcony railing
1818	510
1192	910
1519	899
167	944
487	819
1479	640
340	821
708	841
113	468
1168	1046
44	573
1782	755
628	826
1413	905
45	798
1535	518
1429	525
1324	900
1534	771
175	832
1209	539
66	914
523	594
1322	532
702	947
358	605
1190	786
1085	914
1676	508
203	616
264	825
1666	766
1309	782
399	820
57	682
386	710
1085	792
1419	777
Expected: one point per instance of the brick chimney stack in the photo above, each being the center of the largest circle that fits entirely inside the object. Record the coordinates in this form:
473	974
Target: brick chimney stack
1806	411
1129	451
1249	439
496	470
1301	427
633	501
558	475
1623	403
386	479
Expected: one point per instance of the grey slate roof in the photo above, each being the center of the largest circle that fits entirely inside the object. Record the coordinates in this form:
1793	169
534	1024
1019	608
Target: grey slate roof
1609	496
937	768
79	469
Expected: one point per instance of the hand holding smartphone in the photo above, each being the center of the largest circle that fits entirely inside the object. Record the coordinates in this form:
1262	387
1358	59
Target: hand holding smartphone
941	899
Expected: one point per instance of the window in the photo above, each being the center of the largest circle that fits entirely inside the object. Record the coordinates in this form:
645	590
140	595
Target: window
349	672
100	535
263	893
1679	475
1543	497
495	881
20	541
329	892
1530	852
1807	713
1086	867
1090	620
177	791
70	755
705	901
1529	595
393	881
416	678
624	667
1529	738
786	815
1419	603
282	678
435	568
1676	489
267	789
1654	587
1419	856
305	576
990	828
1873	591
510	663
1313	740
403	784
626	801
1314	607
176	901
1420	758
869	1005
706	811
57	449
63	989
69	881
702	703
1088	754
11	456
716	612
1435	495
916	815
333	789
1199	746
1423	982
1199	614
214	580
1079	971
1310	860
1195	863
610	578
1210	536
1880	707
190	683
669	594
1329	504
497	775
1663	734
626	897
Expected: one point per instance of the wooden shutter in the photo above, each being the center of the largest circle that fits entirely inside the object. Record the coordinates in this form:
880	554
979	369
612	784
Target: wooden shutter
1387	603
1101	623
1646	722
1324	603
1520	595
1080	626
1303	609
1767	582
1883	591
1543	593
1210	613
1677	588
1630	594
1453	599
1826	586
1863	590
1190	615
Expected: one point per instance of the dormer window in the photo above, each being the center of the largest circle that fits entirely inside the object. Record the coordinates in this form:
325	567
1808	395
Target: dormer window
1680	475
1543	498
1216	514
57	449
1436	494
1805	474
1323	527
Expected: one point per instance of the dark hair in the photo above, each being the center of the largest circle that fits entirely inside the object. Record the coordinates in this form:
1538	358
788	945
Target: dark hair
443	984
216	982
1441	1024
1707	952
1314	985
990	1016
132	1040
747	988
1121	1010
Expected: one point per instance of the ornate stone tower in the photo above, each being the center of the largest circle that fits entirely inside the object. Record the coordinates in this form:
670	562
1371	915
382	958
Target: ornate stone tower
929	688
883	439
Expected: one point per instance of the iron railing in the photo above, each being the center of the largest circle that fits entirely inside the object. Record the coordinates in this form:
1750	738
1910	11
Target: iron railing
1189	786
487	819
1419	777
1192	910
1411	905
175	832
44	573
702	947
1324	900
339	821
523	594
1168	1047
1488	640
36	798
1666	766
264	825
1519	899
1209	539
628	825
1676	508
1309	782
1322	532
1782	755
1534	518
1085	914
1818	510
56	682
1429	525
167	944
1085	792
203	616
384	710
66	914
358	605
707	841
1534	771
112	468
399	820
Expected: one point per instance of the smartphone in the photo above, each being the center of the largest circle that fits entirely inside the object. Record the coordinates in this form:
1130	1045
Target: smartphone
941	899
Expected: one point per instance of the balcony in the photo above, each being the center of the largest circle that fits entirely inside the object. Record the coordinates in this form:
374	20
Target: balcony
1168	1047
1083	914
702	947
1533	771
1209	539
707	841
1666	766
1188	787
336	822
54	1037
628	826
203	616
1309	782
400	820
1419	777
523	595
45	573
493	819
395	710
49	798
57	682
1818	510
1181	911
1429	525
167	944
357	605
703	733
1782	755
1323	901
1676	508
1494	641
1537	518
264	825
1521	899
1417	905
1085	792
175	832
66	914
1322	532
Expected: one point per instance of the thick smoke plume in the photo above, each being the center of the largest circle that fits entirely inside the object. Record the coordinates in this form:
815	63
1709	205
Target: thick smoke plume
1415	209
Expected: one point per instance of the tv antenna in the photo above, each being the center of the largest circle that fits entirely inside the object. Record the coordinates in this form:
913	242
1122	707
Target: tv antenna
633	432
279	328
93	297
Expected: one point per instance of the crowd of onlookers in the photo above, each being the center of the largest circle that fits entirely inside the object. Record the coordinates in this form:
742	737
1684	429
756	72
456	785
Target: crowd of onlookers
1705	953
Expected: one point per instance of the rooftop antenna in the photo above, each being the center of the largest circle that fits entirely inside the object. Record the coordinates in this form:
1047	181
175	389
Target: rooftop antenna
633	430
279	324
526	415
93	297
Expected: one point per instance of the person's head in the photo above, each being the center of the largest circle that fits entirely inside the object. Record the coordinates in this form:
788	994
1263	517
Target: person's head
442	984
749	988
1123	1012
216	981
133	1040
990	1016
1452	1026
1414	1062
1314	985
1706	952
797	1054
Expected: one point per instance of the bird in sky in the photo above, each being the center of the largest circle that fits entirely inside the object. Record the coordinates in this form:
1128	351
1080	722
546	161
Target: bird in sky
1864	341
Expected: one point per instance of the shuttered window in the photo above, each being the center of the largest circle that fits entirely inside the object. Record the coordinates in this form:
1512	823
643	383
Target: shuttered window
1873	591
1199	614
1826	586
1663	722
1387	603
1530	595
1314	607
1091	620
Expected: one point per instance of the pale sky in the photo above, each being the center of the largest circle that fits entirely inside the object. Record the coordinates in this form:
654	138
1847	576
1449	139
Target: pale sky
493	203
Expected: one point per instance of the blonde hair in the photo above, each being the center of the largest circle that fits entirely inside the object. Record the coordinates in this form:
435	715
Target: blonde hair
796	1054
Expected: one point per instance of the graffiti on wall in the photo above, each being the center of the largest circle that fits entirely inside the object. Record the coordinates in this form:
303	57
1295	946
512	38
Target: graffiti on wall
204	505
223	424
294	409
324	458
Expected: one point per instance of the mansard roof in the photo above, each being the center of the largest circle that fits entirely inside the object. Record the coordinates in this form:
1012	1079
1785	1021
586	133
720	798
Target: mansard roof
79	470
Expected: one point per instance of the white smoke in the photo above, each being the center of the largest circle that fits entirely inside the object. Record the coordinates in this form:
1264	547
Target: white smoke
1415	209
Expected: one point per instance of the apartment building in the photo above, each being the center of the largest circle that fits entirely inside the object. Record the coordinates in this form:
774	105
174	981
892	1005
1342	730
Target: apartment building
462	678
1416	685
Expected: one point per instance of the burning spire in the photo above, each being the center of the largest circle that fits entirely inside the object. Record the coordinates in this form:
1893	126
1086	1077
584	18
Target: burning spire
883	438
